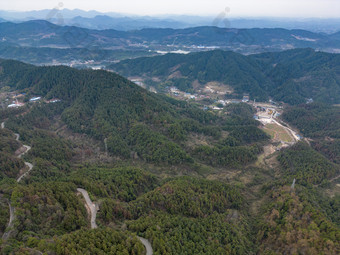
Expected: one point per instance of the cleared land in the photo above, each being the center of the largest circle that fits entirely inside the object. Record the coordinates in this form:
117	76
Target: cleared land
278	133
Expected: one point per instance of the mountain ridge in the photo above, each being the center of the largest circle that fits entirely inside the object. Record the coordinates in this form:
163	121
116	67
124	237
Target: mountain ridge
44	33
260	75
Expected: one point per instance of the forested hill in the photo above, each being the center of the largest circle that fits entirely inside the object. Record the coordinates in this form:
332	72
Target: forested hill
290	76
130	119
89	95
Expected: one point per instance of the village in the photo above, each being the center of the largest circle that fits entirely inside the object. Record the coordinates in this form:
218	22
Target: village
17	100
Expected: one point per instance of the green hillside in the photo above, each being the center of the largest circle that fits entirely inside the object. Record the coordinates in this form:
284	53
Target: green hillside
108	107
290	76
189	181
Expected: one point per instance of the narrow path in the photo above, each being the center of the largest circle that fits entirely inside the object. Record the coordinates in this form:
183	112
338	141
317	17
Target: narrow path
330	180
10	223
333	179
93	209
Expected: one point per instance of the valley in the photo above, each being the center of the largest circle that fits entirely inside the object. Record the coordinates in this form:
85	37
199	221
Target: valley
170	128
195	153
120	169
54	44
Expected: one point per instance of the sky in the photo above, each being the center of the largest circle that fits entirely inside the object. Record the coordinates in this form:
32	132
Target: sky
236	8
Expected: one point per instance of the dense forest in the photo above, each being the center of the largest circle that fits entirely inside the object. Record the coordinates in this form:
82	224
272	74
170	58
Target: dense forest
290	76
292	225
321	123
187	180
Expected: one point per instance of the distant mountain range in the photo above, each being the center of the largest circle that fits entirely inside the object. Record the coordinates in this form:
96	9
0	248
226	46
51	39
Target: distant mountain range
50	13
101	22
119	21
40	33
94	19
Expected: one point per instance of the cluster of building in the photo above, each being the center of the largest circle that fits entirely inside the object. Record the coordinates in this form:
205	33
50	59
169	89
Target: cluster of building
176	92
16	103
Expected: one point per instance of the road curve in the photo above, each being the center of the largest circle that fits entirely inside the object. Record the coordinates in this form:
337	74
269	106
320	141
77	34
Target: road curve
30	166
27	148
147	245
93	208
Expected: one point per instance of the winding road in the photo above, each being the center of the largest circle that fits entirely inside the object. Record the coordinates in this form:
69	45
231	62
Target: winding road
27	148
10	223
93	209
30	167
11	208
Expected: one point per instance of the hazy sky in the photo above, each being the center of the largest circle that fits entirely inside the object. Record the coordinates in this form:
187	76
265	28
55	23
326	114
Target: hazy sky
271	8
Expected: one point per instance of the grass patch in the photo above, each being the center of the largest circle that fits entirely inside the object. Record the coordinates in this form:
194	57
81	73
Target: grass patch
278	133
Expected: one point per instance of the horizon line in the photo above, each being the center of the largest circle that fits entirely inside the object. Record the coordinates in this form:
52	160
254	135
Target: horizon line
176	14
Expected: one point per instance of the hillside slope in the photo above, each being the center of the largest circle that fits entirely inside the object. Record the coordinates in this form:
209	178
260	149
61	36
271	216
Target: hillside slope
128	118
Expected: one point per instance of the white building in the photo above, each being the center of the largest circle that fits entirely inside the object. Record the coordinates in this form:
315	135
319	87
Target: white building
35	99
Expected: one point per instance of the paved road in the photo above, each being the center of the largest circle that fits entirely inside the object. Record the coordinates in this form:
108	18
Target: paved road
93	208
23	153
30	166
10	223
147	245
